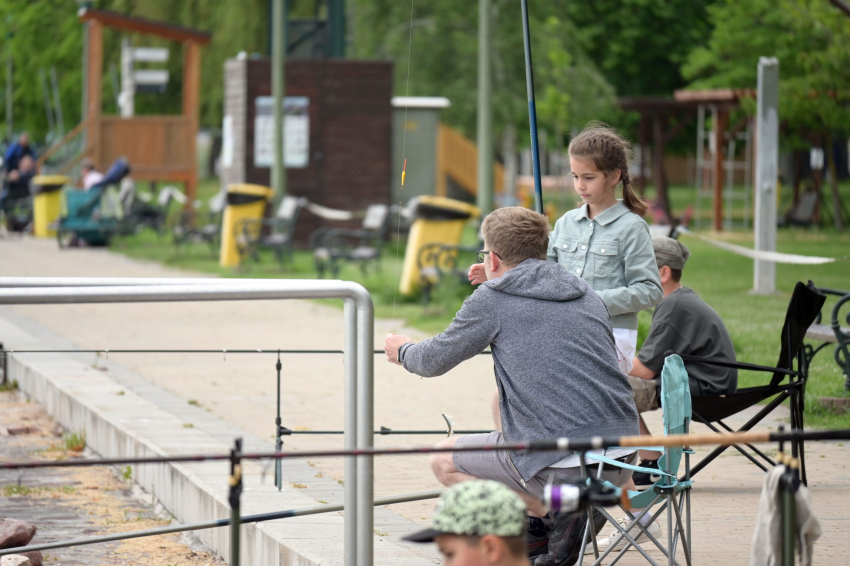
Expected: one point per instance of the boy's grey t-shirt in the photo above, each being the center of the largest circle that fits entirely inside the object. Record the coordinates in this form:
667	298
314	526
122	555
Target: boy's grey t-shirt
687	325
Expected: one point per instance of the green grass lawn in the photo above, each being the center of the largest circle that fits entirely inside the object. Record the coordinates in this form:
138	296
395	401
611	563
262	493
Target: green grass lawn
722	279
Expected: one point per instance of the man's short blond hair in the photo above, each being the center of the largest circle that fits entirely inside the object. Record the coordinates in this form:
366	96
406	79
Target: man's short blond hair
516	234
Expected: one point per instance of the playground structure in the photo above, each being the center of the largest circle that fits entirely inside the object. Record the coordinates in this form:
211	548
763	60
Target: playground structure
159	147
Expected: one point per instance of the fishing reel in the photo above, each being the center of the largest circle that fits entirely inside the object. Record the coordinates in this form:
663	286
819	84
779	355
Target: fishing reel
578	496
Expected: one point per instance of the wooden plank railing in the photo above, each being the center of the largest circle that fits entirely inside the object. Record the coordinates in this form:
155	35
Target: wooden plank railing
62	143
457	158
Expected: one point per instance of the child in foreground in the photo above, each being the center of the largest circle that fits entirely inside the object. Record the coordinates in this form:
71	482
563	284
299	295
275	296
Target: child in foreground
478	523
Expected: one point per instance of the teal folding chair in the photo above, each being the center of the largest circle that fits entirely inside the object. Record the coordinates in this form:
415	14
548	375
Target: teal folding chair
669	493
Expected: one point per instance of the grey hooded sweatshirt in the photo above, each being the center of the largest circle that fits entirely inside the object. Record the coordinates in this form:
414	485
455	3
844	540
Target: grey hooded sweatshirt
554	356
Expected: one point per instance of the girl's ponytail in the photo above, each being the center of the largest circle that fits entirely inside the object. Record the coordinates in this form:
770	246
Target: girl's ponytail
632	201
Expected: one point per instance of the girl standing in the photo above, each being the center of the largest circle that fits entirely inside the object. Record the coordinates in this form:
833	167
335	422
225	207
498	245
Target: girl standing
606	241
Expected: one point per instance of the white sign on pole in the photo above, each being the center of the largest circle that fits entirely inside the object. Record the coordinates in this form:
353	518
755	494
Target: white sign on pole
296	131
150	77
151	54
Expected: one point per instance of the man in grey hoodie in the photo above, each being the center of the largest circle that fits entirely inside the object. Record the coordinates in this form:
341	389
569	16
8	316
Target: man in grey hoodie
556	372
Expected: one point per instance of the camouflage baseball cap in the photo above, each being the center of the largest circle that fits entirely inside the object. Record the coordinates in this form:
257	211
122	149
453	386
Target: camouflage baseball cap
476	508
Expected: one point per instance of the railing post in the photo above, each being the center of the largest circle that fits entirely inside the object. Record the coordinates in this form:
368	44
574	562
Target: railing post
350	431
235	500
365	426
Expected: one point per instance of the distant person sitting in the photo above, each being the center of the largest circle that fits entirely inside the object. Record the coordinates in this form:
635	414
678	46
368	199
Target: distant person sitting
16	152
686	325
89	175
17	182
478	523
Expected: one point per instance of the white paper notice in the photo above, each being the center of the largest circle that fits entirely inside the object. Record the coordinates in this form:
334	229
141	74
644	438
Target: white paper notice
296	131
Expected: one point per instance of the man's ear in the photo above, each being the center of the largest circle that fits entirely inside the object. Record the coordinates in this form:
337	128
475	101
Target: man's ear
664	274
495	262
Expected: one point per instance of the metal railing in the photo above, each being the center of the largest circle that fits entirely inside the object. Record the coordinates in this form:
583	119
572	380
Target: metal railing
358	357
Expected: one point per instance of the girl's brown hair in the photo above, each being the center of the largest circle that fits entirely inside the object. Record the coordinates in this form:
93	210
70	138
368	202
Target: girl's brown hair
609	152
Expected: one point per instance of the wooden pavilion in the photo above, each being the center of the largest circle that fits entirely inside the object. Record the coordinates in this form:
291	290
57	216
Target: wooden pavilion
158	147
663	118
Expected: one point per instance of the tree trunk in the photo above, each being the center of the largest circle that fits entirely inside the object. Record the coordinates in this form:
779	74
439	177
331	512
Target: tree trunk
833	181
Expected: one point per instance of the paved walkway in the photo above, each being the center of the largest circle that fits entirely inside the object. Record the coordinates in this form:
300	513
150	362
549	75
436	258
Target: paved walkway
70	503
241	390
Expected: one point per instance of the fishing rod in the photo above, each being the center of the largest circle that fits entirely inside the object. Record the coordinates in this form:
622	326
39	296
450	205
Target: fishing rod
188	351
245	519
450	430
556	445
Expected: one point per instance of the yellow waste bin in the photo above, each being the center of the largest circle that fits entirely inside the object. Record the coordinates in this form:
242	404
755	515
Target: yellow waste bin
46	203
243	201
435	220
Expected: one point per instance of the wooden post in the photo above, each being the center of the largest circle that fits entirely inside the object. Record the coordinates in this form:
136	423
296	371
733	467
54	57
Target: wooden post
644	142
94	83
659	178
721	120
191	104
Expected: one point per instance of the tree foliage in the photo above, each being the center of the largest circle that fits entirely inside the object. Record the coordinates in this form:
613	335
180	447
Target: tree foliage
809	37
640	45
443	48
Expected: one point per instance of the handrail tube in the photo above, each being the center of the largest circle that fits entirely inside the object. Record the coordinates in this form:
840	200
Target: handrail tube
358	372
34	282
260	517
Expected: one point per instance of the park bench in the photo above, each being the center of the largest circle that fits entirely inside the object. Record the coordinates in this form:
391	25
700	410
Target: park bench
333	246
833	333
439	263
189	229
276	234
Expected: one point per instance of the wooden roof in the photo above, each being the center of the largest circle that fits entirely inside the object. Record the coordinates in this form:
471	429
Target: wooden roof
141	25
714	96
653	103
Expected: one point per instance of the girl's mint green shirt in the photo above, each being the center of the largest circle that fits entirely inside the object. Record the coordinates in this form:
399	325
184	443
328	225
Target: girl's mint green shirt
614	254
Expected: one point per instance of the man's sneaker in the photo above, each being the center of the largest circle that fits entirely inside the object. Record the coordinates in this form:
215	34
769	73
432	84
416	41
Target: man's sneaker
653	528
536	537
644	479
565	533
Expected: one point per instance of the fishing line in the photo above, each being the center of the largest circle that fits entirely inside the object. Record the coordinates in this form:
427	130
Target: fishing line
403	156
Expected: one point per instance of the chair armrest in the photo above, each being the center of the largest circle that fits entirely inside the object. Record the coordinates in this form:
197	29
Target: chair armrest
733	365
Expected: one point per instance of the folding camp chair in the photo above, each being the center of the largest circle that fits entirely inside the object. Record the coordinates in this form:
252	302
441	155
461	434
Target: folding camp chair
804	307
676	400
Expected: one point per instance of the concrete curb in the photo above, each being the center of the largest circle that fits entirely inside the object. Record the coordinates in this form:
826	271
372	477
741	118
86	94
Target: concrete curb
120	421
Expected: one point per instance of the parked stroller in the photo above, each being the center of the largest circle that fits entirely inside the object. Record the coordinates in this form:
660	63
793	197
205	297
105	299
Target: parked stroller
93	217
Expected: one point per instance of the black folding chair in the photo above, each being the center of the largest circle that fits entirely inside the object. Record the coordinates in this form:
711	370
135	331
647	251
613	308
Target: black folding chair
806	302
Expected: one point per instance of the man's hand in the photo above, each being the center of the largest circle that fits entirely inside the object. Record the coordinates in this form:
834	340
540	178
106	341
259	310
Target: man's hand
477	274
391	345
